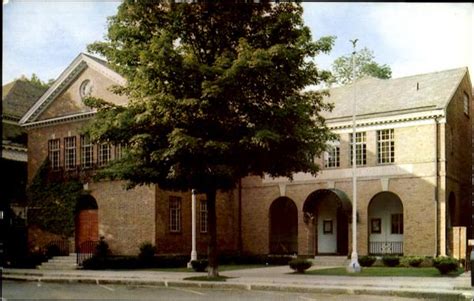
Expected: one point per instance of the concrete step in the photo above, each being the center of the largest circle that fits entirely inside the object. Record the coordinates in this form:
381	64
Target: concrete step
52	266
337	261
60	263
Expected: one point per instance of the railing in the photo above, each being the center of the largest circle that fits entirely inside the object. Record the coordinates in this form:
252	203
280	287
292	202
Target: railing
57	248
386	247
85	251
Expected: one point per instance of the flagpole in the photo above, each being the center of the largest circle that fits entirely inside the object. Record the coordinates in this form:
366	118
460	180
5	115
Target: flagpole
354	266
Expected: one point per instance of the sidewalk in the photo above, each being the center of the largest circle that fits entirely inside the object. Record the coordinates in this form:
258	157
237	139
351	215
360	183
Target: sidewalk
271	278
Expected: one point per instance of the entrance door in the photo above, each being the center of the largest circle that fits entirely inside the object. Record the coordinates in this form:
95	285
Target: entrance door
327	228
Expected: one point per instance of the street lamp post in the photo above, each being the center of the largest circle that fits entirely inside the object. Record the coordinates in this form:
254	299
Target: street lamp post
354	266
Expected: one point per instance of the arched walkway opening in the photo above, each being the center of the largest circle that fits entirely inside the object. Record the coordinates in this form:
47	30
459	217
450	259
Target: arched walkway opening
385	224
283	227
327	214
86	223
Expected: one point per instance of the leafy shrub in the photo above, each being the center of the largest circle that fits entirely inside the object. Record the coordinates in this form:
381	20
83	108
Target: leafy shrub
367	261
147	252
300	265
278	259
199	265
170	261
415	261
391	261
102	249
445	264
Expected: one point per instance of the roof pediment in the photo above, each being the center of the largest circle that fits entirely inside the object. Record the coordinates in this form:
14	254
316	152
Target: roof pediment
63	100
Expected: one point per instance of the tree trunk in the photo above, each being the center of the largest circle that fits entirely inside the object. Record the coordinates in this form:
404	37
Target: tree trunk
212	248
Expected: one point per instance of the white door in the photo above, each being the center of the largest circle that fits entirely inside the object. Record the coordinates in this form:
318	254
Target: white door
327	228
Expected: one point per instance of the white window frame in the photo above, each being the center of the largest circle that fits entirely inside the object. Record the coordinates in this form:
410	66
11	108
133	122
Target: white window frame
70	153
118	151
361	148
332	156
175	214
87	152
104	154
203	216
386	146
466	104
54	153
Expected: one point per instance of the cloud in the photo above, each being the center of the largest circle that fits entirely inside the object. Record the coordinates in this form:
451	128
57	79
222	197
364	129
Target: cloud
424	37
43	37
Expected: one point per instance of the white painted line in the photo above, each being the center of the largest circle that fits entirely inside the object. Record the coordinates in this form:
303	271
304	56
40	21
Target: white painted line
188	291
106	287
306	298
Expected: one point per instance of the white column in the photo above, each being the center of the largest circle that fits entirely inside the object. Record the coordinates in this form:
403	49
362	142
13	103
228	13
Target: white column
193	227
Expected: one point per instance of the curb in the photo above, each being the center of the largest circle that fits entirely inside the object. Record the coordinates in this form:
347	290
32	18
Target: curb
454	295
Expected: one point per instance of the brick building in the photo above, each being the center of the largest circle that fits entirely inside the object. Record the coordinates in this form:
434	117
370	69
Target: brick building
414	154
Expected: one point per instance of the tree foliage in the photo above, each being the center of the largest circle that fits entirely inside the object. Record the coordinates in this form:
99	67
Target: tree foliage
215	94
35	80
342	69
52	202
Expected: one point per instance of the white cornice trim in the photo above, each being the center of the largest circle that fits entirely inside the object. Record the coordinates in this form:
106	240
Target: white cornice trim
368	121
14	153
72	71
57	120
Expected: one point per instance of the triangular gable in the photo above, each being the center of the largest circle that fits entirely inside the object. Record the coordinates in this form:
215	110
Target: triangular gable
62	99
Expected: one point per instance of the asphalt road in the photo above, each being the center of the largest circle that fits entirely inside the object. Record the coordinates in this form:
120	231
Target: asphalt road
18	290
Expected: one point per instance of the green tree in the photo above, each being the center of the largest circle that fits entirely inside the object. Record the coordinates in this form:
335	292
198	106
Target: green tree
364	66
35	80
215	94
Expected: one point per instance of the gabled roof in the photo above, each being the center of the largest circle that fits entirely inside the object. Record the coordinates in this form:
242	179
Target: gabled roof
429	91
81	62
18	97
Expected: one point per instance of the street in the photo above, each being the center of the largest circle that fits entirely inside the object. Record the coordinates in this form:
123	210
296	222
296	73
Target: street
19	290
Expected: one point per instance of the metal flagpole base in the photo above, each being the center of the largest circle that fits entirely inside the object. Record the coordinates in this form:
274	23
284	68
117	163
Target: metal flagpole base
193	257
354	266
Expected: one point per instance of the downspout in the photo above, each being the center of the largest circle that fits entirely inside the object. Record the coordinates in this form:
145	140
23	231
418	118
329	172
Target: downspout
436	185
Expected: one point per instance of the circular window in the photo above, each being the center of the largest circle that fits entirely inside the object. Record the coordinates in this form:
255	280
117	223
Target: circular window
85	89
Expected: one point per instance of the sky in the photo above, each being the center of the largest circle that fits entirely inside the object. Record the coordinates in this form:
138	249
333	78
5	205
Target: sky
43	37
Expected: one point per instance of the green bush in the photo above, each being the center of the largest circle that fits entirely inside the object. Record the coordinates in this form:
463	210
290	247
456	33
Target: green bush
367	261
300	265
199	265
446	264
391	261
147	252
102	249
415	261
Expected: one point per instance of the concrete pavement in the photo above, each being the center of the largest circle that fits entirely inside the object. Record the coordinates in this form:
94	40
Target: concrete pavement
271	278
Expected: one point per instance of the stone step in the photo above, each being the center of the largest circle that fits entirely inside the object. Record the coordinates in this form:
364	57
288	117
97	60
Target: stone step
60	263
52	266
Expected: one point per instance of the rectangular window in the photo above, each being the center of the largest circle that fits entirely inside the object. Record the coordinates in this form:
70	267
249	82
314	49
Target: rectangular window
361	148
70	153
203	216
87	152
175	214
397	223
466	104
386	146
332	155
118	151
104	154
54	152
